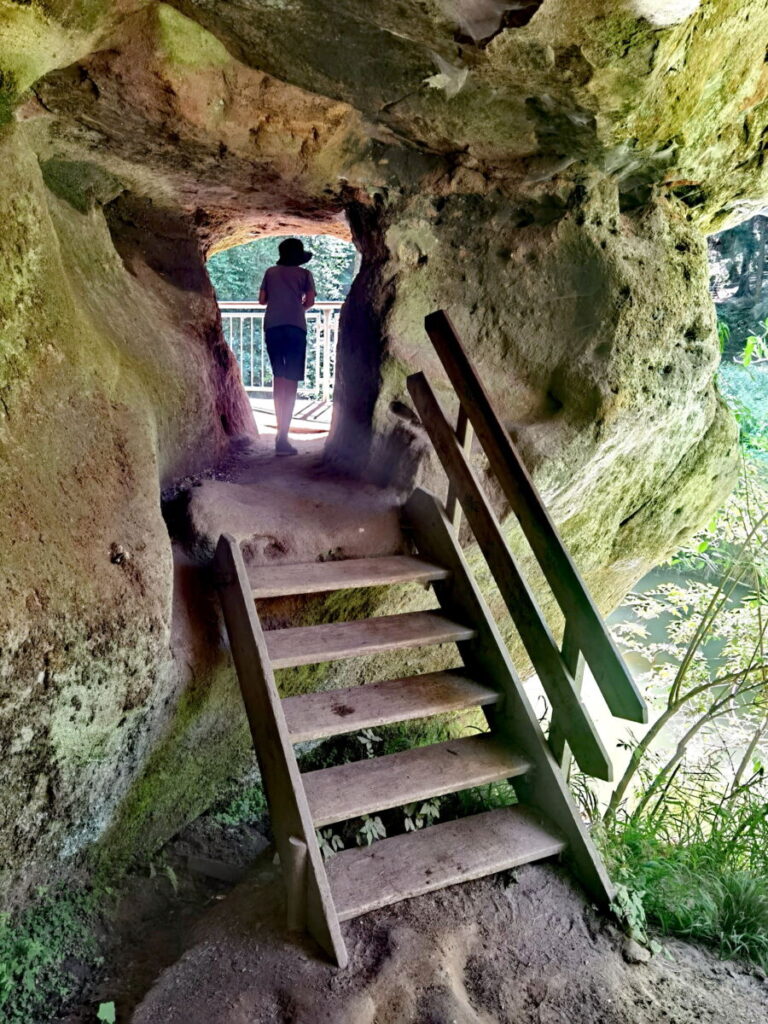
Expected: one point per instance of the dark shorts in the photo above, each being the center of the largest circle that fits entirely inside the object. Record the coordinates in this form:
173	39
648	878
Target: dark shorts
287	350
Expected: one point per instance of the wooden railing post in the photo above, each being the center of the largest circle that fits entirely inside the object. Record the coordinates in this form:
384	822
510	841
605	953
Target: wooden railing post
465	434
574	662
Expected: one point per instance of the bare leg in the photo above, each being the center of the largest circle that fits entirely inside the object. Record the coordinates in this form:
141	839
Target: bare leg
290	388
277	398
285	399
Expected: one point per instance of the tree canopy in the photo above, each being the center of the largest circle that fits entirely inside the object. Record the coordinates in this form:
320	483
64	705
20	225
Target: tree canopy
236	273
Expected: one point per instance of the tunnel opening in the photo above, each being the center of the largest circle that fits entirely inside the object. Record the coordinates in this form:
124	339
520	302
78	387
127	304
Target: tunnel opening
236	274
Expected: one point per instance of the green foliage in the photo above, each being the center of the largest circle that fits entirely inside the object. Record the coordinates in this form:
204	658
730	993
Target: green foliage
248	806
34	946
368	739
688	891
746	391
371	829
329	842
723	334
756	346
420	816
236	273
628	906
686	828
107	1013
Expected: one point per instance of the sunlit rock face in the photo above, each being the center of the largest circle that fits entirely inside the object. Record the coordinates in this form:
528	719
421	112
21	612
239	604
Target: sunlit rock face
543	170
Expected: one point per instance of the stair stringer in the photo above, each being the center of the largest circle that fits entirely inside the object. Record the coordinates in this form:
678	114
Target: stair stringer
544	787
288	807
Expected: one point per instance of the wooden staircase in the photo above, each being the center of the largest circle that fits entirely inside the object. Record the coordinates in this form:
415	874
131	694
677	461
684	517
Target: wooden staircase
545	822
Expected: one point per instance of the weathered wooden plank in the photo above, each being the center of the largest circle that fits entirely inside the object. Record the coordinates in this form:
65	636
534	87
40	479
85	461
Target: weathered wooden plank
360	787
486	657
523	607
307	645
288	808
316	715
602	656
317	577
455	851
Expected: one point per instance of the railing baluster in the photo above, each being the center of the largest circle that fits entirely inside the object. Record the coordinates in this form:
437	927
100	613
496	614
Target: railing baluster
263	347
322	323
251	374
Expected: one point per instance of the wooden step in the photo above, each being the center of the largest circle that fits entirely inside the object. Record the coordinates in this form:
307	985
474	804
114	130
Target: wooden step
307	645
318	577
409	865
349	790
316	715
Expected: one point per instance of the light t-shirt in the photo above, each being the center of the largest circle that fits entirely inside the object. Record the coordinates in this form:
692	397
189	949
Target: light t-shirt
285	288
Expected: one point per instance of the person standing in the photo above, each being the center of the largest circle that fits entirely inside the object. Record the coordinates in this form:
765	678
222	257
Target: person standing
288	289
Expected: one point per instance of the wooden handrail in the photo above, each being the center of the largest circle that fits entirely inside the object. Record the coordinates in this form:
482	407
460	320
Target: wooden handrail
600	652
579	729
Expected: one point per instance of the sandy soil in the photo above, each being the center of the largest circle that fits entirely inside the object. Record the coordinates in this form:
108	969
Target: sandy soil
517	948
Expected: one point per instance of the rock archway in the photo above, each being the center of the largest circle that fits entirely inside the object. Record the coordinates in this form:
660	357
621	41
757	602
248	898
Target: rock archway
546	177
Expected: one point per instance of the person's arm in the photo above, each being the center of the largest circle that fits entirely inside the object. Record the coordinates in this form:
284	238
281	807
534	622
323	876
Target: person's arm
310	294
263	291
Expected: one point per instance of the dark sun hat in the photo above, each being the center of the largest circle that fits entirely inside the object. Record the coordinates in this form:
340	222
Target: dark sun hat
293	253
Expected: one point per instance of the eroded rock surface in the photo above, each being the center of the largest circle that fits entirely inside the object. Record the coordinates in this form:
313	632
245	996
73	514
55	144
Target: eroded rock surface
545	171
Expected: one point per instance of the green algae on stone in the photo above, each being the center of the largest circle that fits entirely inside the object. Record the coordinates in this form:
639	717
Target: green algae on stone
8	95
80	183
185	44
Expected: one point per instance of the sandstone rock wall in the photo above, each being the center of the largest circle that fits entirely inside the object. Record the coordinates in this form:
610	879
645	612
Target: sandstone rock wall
114	382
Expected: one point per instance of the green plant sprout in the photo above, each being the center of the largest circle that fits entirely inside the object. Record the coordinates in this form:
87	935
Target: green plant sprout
368	739
417	817
329	842
371	829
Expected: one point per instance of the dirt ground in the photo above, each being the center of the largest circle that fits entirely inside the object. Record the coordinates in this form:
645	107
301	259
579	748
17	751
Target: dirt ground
518	948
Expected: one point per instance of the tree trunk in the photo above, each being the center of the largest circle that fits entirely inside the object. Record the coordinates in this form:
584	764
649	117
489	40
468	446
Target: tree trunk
760	259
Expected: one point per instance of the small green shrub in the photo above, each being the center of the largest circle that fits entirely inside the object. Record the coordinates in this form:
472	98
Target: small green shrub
246	807
691	892
34	946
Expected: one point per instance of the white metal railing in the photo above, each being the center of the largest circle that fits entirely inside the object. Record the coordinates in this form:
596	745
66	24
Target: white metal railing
243	327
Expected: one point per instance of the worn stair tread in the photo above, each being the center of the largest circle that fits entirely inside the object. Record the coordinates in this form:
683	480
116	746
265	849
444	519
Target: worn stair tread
318	577
316	715
307	645
409	865
349	790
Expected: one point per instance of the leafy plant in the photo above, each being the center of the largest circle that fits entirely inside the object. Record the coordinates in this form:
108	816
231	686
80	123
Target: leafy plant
34	946
629	909
723	334
686	828
417	817
330	843
756	346
248	806
368	739
107	1013
371	829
